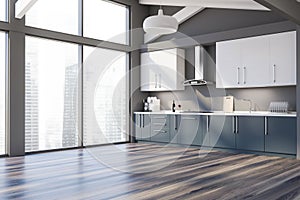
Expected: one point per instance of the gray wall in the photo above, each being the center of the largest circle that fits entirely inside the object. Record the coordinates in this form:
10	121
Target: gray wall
211	21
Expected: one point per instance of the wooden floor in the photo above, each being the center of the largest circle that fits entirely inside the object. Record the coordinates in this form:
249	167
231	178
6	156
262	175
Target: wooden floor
148	171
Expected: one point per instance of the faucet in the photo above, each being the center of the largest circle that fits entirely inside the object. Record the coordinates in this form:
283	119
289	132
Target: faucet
251	104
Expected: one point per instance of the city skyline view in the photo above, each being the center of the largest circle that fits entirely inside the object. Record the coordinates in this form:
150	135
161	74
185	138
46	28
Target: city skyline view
53	92
62	107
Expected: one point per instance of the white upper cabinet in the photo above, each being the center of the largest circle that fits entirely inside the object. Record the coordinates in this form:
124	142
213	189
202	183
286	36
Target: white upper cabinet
163	70
261	61
228	64
283	58
255	61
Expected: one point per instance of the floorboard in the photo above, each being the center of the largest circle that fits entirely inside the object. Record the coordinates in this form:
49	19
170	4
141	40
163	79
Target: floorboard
148	171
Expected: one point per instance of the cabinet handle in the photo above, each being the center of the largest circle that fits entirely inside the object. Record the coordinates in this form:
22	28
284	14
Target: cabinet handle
162	124
158	117
140	122
189	118
143	121
238	75
159	131
159	78
233	125
274	73
155	80
175	123
244	75
266	126
236	125
207	123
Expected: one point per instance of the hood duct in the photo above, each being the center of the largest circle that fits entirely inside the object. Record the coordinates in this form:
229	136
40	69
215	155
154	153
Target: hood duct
199	69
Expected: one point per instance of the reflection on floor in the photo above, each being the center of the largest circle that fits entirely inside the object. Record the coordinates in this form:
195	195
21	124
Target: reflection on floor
148	171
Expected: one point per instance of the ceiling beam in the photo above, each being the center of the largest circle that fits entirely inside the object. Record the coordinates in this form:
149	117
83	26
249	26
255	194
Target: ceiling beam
181	16
227	4
22	7
289	9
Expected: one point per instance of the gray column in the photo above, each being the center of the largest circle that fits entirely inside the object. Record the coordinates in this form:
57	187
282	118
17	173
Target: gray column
298	92
15	119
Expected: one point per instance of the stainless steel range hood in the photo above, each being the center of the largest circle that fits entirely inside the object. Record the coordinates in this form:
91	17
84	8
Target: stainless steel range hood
199	69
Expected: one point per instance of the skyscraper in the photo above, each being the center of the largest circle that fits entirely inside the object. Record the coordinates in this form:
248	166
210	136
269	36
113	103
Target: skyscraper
70	117
104	101
31	109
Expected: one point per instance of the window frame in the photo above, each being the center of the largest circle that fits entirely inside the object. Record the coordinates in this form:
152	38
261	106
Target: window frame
80	23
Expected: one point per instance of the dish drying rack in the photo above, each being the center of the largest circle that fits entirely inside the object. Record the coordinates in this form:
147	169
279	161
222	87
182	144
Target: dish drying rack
279	107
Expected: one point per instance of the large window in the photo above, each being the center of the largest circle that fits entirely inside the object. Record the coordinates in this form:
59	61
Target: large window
3	10
3	51
51	94
55	15
105	21
105	104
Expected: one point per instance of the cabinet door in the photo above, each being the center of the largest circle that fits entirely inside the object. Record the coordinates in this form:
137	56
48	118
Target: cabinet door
283	58
204	123
149	78
188	130
255	61
281	136
221	132
142	127
160	128
250	133
228	64
138	127
146	127
167	70
174	124
162	70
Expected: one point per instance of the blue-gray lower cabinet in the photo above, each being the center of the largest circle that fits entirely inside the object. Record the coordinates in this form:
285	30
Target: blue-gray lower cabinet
250	133
142	127
174	124
221	131
281	135
160	128
189	130
138	127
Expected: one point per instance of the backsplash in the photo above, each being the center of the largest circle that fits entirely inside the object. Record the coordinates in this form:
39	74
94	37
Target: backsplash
259	97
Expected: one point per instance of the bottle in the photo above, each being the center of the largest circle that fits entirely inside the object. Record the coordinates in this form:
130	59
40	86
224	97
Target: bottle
146	105
173	106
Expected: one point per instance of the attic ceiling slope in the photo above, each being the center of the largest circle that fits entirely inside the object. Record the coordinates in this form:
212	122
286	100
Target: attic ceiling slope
192	7
289	9
230	4
181	16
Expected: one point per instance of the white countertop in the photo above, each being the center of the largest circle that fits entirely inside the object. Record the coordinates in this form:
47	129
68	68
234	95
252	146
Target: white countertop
235	113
